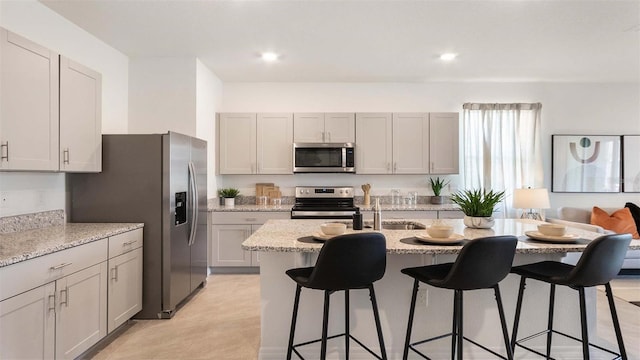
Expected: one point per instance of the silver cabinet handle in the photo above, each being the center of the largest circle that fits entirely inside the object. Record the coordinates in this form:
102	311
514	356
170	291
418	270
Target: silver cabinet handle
52	302
127	243
388	166
329	132
251	219
66	297
58	267
4	151
114	273
65	156
395	166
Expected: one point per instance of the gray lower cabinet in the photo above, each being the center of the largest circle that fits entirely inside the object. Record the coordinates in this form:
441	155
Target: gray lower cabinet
228	230
125	278
55	306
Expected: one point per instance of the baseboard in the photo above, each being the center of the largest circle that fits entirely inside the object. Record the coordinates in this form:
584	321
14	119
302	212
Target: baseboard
234	270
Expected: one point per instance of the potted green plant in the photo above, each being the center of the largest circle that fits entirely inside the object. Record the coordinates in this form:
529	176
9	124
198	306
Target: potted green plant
436	186
229	195
478	206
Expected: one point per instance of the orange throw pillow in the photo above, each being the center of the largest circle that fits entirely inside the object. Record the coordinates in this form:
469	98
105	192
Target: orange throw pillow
620	221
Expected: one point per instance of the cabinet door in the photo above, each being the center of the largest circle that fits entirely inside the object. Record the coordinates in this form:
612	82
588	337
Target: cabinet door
237	137
411	143
374	143
226	249
27	324
274	143
340	127
80	117
125	288
81	314
308	127
444	143
28	105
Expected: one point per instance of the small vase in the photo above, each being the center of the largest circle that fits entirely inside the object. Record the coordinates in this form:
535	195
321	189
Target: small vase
437	200
229	202
475	222
367	200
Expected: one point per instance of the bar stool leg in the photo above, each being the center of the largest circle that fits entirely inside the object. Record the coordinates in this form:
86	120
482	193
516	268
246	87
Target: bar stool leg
516	321
412	309
376	316
460	324
293	321
552	297
454	330
325	323
503	322
583	321
346	323
616	323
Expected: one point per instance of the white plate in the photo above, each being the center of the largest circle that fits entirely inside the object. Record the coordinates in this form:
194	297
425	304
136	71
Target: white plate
453	239
536	235
322	236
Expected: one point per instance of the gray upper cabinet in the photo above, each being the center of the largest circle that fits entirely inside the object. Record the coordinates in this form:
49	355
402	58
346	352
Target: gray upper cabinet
80	118
407	143
28	105
324	127
50	110
255	143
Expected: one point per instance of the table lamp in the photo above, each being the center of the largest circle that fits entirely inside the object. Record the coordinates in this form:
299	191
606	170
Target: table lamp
531	199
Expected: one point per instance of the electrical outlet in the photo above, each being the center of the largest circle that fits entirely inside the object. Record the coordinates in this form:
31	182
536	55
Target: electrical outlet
423	297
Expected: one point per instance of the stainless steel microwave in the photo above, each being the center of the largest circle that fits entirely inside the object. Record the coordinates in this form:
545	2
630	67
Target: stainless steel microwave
324	158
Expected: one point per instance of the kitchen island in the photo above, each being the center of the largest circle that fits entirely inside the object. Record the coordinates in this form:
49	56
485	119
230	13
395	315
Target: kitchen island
279	247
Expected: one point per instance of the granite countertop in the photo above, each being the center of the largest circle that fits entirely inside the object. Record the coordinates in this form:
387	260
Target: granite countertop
24	245
287	207
283	235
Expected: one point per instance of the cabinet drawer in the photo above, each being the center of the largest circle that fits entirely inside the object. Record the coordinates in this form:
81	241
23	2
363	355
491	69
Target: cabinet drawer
26	275
248	217
125	242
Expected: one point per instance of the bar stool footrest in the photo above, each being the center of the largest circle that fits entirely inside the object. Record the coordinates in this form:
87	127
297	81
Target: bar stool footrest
412	345
544	332
333	337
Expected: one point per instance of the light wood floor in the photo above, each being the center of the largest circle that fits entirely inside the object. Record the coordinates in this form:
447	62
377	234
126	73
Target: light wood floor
222	321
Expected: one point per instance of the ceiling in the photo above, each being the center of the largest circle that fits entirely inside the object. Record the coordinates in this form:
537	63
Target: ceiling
377	41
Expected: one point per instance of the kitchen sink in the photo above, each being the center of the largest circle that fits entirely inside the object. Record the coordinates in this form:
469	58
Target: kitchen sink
398	225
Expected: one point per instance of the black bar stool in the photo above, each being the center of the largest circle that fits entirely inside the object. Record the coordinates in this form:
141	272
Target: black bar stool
352	261
481	264
599	263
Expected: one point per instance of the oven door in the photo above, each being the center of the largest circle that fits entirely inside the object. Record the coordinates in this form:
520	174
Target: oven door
323	158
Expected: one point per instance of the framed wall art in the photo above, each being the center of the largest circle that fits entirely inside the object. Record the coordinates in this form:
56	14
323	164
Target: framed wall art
586	163
631	163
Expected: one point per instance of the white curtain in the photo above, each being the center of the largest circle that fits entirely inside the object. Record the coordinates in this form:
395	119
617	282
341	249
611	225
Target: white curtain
501	149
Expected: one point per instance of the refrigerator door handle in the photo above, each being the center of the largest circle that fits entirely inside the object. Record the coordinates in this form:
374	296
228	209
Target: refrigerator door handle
194	204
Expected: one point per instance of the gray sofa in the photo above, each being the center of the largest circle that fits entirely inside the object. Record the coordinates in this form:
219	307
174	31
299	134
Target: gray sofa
581	218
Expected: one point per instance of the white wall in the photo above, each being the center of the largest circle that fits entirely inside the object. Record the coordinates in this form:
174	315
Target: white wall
162	95
208	99
567	108
30	192
175	94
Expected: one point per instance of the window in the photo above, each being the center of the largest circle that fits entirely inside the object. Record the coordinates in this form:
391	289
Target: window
501	148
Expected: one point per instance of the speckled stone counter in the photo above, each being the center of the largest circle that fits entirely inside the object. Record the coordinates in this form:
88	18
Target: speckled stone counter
280	250
286	207
282	235
24	245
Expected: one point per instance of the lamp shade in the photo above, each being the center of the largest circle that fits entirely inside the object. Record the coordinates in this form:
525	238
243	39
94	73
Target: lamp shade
531	199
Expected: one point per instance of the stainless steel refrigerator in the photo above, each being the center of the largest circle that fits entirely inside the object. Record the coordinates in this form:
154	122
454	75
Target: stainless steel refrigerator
159	180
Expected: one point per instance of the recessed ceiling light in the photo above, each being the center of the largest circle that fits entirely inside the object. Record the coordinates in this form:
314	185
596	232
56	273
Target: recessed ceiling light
448	56
269	56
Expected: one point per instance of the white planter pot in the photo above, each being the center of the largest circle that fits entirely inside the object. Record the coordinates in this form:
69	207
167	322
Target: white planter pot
229	202
478	222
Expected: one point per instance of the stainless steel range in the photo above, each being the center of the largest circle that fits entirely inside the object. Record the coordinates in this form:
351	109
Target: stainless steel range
323	203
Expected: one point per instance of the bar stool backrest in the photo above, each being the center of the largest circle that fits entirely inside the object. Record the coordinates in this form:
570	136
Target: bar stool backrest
482	263
601	261
350	261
